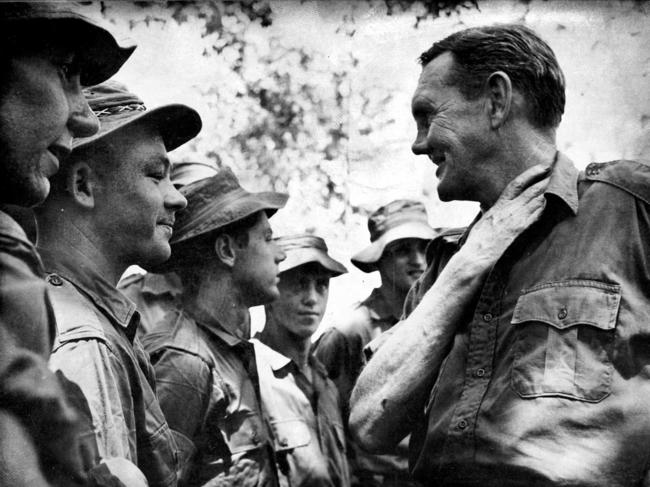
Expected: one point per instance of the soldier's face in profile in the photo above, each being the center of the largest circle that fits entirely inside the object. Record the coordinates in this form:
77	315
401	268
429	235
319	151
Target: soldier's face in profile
403	262
256	271
303	298
136	202
452	131
41	109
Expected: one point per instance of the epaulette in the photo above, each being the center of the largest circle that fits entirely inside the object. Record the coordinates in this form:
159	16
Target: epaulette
75	319
446	236
130	280
630	176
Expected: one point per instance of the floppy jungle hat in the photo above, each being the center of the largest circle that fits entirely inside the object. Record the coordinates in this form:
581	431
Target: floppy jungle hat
305	248
116	107
215	202
397	220
33	23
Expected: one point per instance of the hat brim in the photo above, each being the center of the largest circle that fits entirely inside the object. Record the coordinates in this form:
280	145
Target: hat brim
99	54
298	257
176	124
221	215
367	259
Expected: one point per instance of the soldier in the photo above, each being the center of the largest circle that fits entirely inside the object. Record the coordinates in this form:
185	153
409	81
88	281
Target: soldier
300	402
524	361
112	206
49	51
225	255
155	294
399	234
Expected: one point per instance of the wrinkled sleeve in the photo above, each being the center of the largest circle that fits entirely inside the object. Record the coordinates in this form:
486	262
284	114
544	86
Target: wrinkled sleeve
104	381
183	382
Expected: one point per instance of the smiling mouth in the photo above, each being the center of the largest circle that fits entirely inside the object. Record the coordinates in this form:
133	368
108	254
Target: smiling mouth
59	151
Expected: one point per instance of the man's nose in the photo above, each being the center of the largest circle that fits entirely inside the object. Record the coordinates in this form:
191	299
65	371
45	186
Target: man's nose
279	255
420	145
174	199
82	122
310	294
416	256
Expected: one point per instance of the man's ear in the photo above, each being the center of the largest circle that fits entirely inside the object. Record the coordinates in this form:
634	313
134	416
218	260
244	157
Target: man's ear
499	92
81	184
224	248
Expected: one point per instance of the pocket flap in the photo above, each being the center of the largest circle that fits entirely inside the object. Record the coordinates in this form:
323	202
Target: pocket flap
290	433
567	303
249	433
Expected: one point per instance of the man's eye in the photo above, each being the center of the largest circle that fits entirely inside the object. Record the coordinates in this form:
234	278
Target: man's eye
158	175
69	70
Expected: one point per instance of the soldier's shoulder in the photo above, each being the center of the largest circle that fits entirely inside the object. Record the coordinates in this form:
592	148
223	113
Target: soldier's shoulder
76	316
632	177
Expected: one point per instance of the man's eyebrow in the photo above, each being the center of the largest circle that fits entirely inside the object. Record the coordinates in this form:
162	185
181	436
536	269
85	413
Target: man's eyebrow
159	160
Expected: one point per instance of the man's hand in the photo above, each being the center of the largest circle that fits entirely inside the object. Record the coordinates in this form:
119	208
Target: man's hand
395	383
518	207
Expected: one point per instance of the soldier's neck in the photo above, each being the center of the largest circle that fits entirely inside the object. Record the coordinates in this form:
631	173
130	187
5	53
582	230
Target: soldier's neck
290	345
66	234
214	300
394	297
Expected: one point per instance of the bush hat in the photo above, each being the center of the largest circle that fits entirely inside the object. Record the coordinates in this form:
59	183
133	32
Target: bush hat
215	202
397	220
116	108
28	23
305	248
184	173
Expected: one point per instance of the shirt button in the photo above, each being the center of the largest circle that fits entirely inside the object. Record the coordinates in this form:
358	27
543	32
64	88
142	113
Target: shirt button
480	372
487	317
54	280
462	424
562	313
284	442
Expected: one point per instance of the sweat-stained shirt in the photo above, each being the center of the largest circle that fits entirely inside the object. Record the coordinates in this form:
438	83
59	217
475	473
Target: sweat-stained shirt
96	348
209	391
547	380
305	420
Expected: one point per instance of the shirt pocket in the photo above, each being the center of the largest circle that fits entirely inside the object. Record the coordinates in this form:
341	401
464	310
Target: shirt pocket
564	339
245	432
289	434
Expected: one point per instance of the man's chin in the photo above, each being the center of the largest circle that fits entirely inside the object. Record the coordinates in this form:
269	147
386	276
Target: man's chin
31	193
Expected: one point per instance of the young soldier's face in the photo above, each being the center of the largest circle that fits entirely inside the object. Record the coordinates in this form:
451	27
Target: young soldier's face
41	110
403	262
255	271
303	298
136	202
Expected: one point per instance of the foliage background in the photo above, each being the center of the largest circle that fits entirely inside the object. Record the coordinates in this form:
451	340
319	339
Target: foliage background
312	97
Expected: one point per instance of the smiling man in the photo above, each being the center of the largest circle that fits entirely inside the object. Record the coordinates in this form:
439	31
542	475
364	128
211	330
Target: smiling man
300	402
224	252
534	370
113	205
48	52
399	234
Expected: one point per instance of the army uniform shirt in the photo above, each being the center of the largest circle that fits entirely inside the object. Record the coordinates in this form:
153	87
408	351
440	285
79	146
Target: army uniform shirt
547	380
96	349
209	391
305	421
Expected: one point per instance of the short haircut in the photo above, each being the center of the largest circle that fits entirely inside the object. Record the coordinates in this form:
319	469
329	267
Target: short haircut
517	51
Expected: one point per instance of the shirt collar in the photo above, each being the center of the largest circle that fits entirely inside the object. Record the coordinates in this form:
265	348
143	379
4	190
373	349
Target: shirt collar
563	183
273	358
378	307
221	333
80	271
278	361
158	284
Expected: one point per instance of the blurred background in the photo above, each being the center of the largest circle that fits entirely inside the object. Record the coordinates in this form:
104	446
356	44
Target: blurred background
313	97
